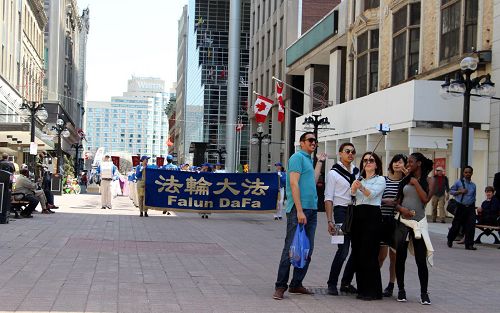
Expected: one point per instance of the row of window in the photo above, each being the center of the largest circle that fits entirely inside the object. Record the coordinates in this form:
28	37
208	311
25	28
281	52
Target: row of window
263	47
458	34
256	15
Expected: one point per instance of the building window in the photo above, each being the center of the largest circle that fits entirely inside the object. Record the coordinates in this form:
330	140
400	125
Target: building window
367	63
458	27
268	43
405	42
274	36
263	46
281	30
371	4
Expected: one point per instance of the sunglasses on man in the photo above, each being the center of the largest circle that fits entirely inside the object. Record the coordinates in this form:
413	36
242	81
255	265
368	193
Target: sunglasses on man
350	151
311	140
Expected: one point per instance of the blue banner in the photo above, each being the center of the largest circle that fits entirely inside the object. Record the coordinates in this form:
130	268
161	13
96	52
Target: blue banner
211	192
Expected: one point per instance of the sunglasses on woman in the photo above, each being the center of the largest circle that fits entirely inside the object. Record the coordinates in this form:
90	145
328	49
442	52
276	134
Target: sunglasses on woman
368	161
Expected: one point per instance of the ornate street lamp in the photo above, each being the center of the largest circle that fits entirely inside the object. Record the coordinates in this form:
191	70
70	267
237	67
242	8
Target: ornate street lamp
35	111
463	85
221	154
260	138
313	123
60	129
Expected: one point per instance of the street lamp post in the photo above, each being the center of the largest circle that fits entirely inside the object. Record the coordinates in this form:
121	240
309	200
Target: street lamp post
35	110
258	139
464	85
77	146
221	153
60	129
313	123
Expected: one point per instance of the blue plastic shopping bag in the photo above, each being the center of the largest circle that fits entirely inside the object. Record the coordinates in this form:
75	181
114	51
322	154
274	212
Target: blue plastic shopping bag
299	249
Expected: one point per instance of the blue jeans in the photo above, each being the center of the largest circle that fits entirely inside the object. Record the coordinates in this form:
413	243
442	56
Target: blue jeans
284	267
342	253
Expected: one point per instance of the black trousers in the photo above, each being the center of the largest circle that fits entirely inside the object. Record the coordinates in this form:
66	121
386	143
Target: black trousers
365	237
465	216
420	258
33	202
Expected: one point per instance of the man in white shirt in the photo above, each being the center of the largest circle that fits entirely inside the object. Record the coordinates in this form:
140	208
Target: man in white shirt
337	198
108	172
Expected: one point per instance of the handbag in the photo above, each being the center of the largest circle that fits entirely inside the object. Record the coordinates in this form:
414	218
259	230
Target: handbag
300	247
453	204
347	225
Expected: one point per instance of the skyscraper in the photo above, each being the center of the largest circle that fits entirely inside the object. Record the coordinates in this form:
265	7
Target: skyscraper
204	28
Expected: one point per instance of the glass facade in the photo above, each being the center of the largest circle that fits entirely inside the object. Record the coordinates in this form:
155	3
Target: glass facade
206	83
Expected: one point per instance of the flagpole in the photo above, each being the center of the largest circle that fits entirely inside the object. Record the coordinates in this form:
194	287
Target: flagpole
302	92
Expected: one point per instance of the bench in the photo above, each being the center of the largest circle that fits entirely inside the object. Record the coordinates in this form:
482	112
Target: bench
17	203
487	230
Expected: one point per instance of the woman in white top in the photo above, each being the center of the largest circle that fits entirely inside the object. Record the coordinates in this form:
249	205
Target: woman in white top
366	227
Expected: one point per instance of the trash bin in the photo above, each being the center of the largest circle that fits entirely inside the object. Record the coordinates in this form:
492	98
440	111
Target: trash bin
4	196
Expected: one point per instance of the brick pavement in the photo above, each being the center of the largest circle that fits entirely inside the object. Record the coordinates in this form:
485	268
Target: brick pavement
84	259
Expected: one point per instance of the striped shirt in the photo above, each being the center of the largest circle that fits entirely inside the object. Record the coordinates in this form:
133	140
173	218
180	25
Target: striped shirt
390	192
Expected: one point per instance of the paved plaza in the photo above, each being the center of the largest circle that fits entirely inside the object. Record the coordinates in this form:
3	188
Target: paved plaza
85	259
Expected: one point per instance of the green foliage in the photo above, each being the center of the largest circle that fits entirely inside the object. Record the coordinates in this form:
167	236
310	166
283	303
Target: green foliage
69	166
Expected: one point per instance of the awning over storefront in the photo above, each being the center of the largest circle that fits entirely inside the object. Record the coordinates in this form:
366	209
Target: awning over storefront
13	135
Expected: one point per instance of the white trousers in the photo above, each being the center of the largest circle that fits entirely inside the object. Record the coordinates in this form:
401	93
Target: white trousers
105	193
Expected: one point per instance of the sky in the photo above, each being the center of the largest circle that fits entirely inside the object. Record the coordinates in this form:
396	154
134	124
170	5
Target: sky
130	37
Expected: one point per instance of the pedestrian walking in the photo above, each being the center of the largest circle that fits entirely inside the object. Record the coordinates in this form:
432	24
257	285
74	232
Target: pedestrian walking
301	209
140	176
280	170
464	191
441	194
366	226
108	172
396	171
415	191
337	198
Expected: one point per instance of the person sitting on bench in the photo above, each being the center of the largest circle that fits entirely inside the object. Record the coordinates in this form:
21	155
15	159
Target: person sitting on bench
26	186
489	211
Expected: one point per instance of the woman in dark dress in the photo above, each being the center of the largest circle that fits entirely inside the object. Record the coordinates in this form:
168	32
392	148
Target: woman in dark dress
366	225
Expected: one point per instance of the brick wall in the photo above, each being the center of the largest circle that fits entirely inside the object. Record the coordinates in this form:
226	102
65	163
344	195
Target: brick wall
315	10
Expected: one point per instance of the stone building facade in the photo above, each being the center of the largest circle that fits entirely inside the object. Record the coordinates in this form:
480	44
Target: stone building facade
385	61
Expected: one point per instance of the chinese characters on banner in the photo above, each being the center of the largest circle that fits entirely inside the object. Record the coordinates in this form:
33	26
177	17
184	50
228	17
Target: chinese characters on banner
211	192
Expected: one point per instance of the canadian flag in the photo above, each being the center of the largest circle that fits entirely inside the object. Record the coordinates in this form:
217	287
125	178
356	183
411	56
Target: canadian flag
261	108
281	105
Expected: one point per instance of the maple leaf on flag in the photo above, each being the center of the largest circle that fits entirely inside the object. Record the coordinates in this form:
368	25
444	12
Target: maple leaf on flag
261	106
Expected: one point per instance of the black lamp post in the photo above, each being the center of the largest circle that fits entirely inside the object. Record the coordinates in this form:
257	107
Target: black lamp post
221	153
60	129
464	85
77	146
258	139
35	110
313	123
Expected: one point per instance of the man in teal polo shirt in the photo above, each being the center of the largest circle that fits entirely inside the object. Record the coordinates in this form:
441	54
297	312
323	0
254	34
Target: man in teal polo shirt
302	208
